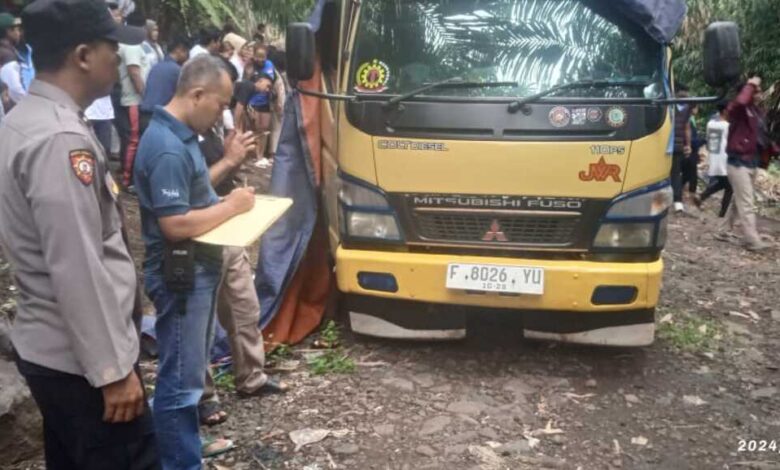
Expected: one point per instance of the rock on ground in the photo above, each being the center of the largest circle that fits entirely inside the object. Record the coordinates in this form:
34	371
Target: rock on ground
20	421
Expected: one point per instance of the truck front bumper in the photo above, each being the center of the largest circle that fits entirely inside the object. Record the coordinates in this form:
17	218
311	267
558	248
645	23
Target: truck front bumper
568	311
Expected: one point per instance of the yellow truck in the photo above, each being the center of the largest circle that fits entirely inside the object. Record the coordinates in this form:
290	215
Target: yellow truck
505	155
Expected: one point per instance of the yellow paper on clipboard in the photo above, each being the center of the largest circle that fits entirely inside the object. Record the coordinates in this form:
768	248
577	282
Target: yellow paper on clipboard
244	229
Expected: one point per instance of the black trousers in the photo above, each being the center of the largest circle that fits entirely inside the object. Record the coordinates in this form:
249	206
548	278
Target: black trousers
690	173
75	436
676	176
718	183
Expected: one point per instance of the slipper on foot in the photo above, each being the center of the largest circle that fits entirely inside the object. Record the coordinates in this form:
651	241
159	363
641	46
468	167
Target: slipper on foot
271	386
208	449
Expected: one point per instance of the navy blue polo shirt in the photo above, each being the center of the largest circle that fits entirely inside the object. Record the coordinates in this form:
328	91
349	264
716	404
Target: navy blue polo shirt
161	84
171	178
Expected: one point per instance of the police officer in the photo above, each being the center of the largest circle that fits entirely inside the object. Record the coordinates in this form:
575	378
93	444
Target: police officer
74	335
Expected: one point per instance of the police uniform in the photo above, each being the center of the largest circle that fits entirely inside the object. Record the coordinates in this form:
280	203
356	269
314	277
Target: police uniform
61	231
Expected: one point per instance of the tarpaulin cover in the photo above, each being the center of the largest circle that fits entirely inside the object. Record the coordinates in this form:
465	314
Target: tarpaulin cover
293	277
661	19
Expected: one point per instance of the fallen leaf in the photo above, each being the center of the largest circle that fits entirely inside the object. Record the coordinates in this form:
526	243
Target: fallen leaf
703	329
547	431
737	314
575	397
693	400
666	318
493	444
339	433
639	441
616	446
754	315
304	437
532	441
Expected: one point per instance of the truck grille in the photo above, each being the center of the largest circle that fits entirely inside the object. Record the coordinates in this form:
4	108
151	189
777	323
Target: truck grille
526	229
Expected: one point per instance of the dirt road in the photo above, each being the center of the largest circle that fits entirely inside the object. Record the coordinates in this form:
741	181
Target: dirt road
496	402
704	396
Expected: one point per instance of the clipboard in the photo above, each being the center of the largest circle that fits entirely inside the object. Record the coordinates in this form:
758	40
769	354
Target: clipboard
244	229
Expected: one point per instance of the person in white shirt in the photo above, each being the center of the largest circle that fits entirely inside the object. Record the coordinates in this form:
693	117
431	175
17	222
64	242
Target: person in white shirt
11	76
208	43
237	60
133	70
717	139
101	116
154	52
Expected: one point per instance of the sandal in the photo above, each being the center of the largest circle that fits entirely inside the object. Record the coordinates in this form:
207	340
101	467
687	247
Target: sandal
271	386
208	448
210	413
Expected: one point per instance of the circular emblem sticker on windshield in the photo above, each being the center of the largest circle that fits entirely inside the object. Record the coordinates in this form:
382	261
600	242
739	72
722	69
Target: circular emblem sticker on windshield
560	116
595	114
616	116
372	77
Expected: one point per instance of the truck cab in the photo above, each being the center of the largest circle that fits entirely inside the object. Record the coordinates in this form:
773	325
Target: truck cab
506	155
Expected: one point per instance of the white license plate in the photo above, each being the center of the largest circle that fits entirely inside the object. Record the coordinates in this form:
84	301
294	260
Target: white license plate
493	278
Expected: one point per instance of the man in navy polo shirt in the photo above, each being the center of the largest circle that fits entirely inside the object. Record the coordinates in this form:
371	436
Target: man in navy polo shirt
181	277
162	80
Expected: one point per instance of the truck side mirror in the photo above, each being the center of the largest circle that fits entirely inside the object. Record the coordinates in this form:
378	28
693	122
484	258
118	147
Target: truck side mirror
722	54
300	51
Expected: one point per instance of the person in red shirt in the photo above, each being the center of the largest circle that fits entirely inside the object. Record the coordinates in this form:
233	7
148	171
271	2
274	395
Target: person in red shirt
743	158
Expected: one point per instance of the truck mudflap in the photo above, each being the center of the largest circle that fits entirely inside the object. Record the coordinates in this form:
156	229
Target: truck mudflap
623	329
401	319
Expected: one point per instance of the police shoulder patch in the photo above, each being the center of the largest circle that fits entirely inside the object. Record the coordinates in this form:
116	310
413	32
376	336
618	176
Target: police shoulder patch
82	162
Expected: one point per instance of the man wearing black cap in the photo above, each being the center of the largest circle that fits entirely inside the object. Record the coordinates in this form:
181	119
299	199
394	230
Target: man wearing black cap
74	332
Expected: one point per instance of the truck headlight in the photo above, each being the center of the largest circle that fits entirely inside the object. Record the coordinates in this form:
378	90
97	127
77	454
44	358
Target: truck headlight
366	213
651	203
625	236
367	225
636	219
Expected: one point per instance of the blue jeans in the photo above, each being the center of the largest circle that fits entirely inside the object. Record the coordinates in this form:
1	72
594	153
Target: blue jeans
184	331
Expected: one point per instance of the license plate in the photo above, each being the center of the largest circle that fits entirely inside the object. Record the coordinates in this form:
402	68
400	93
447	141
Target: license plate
492	278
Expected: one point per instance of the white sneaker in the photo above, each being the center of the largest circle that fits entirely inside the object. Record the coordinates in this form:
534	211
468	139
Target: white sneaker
679	207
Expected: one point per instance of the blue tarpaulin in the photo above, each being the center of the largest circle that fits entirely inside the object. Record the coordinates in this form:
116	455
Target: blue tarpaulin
283	246
661	19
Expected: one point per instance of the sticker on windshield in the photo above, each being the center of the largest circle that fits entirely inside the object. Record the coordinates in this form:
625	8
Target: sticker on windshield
560	116
616	117
595	114
372	77
579	116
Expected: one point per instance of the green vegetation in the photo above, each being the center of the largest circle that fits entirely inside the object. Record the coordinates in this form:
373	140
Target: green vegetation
225	381
690	334
333	360
280	353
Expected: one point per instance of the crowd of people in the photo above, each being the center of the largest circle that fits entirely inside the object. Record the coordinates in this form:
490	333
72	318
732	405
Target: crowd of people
187	114
737	143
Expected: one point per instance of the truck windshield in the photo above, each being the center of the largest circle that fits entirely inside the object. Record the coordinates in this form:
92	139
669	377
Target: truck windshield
402	45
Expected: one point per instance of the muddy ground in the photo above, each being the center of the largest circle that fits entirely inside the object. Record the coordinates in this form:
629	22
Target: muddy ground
495	401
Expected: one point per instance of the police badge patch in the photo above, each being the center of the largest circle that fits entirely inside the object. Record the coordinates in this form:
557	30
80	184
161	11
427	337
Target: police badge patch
82	162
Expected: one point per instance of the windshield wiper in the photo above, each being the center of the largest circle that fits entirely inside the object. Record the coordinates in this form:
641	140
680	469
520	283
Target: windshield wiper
454	82
517	105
